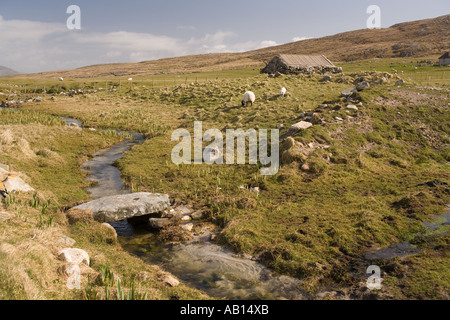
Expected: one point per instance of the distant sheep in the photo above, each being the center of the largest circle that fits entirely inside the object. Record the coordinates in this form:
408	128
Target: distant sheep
130	79
61	79
283	92
248	97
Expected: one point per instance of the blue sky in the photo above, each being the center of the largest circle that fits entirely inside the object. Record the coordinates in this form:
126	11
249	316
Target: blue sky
34	36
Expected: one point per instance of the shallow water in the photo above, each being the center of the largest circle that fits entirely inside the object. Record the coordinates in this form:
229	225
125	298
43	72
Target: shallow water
214	269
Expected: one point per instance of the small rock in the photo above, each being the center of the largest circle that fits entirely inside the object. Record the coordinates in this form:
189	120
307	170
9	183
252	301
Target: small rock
187	227
399	81
255	189
325	79
14	183
74	255
159	223
38	99
170	280
305	167
280	126
338	119
362	85
347	92
352	107
186	218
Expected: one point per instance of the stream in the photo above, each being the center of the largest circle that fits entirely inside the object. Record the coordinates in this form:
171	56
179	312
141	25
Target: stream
219	272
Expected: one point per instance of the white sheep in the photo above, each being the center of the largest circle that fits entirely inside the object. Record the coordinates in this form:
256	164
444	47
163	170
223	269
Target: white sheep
248	97
283	92
61	79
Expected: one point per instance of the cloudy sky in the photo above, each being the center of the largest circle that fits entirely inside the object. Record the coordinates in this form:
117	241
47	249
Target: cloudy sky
34	36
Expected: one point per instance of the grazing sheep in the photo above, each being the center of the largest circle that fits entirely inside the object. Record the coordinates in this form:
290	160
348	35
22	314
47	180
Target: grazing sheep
248	97
283	92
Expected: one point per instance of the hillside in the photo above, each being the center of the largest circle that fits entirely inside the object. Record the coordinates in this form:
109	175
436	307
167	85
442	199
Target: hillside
410	39
4	71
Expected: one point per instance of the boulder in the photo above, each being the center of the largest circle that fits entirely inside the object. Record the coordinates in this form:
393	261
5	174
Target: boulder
120	207
362	85
74	255
14	183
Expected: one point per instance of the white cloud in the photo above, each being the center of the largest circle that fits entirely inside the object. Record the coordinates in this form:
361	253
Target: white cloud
294	39
33	46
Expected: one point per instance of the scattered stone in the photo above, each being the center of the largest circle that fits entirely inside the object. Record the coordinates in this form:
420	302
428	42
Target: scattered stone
338	119
347	92
352	107
254	189
337	107
159	223
74	255
187	226
305	167
120	207
38	99
325	79
280	126
66	241
170	280
302	125
399	81
4	167
362	85
186	218
16	184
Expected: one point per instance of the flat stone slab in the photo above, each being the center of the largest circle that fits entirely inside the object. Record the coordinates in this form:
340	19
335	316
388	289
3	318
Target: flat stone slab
121	207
